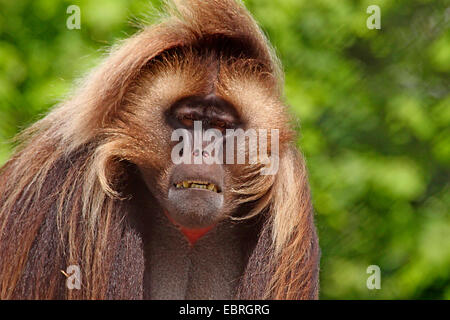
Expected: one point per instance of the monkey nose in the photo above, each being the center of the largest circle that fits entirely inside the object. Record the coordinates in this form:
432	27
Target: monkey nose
196	153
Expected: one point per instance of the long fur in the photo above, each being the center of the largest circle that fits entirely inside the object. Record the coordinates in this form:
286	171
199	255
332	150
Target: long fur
60	199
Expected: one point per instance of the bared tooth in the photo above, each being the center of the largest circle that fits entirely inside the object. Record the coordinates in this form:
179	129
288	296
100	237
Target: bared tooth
197	185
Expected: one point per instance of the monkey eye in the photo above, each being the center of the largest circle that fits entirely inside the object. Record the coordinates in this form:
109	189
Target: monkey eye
187	120
218	124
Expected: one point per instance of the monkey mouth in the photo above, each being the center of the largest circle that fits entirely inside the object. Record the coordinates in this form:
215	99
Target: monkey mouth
195	203
197	184
195	198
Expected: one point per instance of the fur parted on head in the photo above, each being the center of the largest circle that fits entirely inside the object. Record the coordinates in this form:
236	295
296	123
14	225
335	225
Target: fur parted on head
61	200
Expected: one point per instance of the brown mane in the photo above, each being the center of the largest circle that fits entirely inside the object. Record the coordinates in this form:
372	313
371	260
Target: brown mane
59	206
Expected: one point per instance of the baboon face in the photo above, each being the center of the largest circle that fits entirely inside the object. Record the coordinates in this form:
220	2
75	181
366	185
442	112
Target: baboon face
210	88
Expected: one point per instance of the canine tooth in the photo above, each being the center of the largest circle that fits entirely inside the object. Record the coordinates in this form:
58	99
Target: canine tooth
185	184
210	187
178	185
215	189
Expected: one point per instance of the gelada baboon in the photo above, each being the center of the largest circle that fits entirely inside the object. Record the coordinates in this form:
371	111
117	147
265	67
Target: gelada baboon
93	184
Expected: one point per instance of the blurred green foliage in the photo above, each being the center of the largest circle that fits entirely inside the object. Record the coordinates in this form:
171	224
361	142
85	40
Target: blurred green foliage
374	110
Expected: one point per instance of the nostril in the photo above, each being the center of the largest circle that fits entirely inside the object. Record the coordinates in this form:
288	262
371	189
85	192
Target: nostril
196	153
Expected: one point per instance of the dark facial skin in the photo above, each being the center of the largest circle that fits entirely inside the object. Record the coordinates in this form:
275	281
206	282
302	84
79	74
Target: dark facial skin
195	197
177	265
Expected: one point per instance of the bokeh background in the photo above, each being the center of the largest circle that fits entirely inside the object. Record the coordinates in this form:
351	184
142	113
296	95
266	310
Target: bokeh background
373	109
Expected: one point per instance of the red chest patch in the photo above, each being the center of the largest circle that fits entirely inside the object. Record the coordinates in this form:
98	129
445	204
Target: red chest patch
192	235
